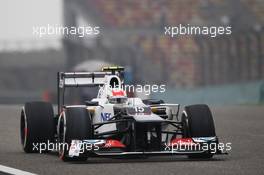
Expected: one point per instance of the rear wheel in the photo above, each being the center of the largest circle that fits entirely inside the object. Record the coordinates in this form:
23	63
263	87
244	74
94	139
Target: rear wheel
36	126
73	124
198	122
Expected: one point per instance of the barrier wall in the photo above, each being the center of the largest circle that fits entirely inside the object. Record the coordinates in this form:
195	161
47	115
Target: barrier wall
247	93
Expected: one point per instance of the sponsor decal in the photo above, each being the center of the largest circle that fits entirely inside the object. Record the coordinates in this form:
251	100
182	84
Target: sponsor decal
203	139
105	116
114	144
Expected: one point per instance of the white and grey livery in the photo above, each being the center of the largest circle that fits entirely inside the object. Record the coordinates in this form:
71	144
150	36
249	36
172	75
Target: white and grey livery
113	124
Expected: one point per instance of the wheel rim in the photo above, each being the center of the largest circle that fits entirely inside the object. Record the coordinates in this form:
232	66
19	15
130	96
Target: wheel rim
23	128
61	130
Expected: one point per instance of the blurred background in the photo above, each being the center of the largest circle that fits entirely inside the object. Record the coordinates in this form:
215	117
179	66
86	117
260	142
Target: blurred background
195	69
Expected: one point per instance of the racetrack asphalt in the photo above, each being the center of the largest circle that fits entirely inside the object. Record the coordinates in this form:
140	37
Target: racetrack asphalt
240	125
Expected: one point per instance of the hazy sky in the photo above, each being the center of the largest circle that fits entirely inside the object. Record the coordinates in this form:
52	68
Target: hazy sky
19	16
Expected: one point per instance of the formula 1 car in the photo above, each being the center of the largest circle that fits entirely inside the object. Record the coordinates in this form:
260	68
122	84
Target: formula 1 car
113	124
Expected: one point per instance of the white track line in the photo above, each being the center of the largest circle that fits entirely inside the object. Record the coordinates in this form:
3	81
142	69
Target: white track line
14	171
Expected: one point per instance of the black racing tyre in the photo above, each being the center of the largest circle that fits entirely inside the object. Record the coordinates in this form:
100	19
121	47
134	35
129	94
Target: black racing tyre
37	126
198	122
73	124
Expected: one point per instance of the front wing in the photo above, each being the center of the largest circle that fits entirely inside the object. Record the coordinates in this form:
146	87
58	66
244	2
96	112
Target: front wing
179	146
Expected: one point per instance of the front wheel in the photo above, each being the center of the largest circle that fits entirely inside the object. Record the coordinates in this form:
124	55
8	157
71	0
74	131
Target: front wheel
198	122
74	124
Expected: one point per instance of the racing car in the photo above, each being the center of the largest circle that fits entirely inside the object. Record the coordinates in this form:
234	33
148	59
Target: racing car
113	124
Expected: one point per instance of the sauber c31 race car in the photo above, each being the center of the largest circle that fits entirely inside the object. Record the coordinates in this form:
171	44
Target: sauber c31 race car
113	124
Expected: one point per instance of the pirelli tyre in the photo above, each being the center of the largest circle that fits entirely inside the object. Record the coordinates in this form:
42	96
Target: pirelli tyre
37	127
198	122
74	123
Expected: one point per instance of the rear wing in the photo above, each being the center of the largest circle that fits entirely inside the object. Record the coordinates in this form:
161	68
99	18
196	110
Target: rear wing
76	79
83	79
